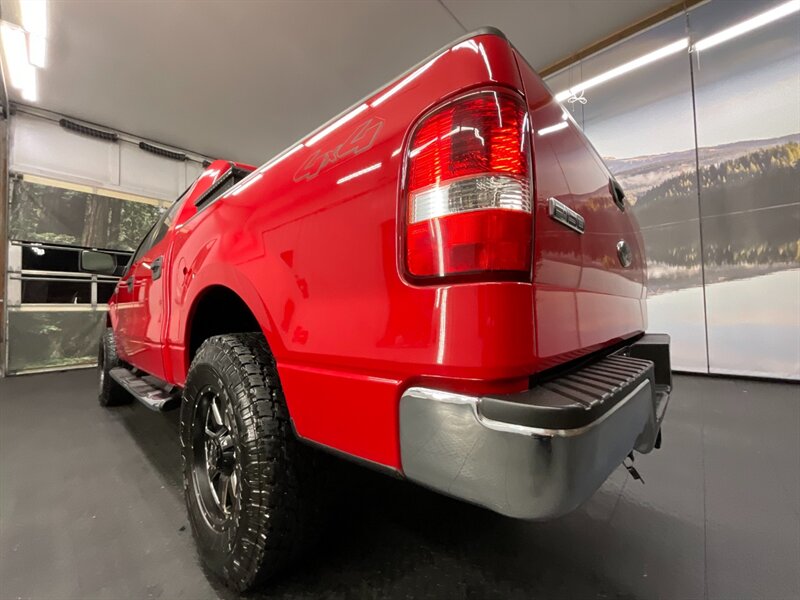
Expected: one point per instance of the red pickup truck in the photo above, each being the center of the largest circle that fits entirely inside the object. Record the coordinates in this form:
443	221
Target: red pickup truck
444	283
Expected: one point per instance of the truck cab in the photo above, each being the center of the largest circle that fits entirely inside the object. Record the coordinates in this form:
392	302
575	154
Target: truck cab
139	309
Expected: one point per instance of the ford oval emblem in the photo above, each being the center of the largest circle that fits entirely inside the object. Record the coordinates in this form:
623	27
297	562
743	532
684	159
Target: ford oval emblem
624	253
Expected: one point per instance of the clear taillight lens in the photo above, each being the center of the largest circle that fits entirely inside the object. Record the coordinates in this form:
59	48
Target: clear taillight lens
469	191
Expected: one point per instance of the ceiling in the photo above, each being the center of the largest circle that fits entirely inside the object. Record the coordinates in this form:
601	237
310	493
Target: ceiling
242	80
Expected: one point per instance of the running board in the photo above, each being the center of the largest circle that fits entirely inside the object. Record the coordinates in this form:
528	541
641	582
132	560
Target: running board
150	391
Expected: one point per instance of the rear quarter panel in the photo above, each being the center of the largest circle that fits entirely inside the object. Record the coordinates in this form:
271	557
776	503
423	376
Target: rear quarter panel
310	241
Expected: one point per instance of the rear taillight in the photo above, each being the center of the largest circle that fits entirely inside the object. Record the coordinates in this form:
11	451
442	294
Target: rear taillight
468	190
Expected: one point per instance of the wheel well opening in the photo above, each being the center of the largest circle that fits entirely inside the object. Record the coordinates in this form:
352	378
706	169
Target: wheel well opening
218	311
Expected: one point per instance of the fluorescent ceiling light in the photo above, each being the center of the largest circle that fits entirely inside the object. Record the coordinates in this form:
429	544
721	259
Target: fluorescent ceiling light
625	68
760	20
21	73
34	21
764	18
29	92
34	16
25	46
552	128
37	48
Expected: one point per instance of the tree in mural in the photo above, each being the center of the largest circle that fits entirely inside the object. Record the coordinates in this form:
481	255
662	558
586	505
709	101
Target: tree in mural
736	199
43	213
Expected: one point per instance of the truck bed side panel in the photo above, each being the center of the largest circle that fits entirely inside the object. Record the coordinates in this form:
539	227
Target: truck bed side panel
316	233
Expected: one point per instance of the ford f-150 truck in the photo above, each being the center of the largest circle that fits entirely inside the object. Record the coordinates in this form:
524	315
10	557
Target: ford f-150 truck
444	283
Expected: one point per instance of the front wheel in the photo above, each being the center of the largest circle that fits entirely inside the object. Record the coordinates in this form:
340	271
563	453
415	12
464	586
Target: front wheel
245	475
110	393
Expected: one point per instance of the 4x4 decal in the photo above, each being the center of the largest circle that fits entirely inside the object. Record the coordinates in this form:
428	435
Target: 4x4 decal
361	139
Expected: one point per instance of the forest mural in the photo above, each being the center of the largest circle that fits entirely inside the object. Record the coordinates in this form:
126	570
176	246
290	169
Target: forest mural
748	205
43	213
46	340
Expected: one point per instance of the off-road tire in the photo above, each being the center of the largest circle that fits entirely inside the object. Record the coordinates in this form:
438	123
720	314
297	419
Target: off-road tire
110	393
269	523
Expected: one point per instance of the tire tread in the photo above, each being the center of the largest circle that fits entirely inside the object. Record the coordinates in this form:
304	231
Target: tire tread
275	466
111	394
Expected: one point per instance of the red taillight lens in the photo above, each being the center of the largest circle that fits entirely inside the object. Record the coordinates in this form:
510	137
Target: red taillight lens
469	189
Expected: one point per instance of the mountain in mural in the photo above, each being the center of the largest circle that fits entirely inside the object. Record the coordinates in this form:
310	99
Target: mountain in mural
750	208
641	173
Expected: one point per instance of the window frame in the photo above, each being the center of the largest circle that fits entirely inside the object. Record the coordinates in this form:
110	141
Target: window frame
166	220
147	242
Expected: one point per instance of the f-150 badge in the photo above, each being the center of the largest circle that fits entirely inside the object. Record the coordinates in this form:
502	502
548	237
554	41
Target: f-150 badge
566	216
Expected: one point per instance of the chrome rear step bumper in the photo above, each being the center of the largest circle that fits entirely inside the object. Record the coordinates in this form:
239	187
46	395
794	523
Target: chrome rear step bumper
538	454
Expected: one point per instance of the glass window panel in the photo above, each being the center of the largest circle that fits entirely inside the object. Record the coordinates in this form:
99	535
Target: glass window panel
48	339
37	291
40	213
748	133
641	123
37	258
45	213
104	291
167	218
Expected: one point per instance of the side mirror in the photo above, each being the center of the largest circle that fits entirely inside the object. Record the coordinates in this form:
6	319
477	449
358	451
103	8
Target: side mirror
101	263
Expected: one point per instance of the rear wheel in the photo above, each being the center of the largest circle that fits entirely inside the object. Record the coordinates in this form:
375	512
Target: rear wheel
246	478
110	392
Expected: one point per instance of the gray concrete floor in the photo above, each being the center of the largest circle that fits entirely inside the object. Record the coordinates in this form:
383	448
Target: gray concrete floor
91	507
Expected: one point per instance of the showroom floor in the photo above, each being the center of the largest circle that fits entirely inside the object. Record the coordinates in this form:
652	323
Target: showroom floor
91	507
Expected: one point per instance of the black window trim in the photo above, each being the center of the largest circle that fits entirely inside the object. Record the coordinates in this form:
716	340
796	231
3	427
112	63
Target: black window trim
175	206
205	199
208	197
149	238
135	256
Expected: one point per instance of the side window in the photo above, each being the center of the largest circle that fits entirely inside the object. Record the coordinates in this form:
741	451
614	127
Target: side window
159	230
163	224
144	245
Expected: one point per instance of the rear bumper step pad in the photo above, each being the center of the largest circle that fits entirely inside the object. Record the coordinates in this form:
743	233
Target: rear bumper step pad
540	453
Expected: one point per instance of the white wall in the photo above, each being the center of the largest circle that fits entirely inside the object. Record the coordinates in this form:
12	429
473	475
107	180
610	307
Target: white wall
42	147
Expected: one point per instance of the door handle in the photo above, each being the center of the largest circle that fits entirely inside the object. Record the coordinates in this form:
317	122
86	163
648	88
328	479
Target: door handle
129	283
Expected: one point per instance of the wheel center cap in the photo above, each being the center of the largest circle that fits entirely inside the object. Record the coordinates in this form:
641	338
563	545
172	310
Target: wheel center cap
219	456
215	453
